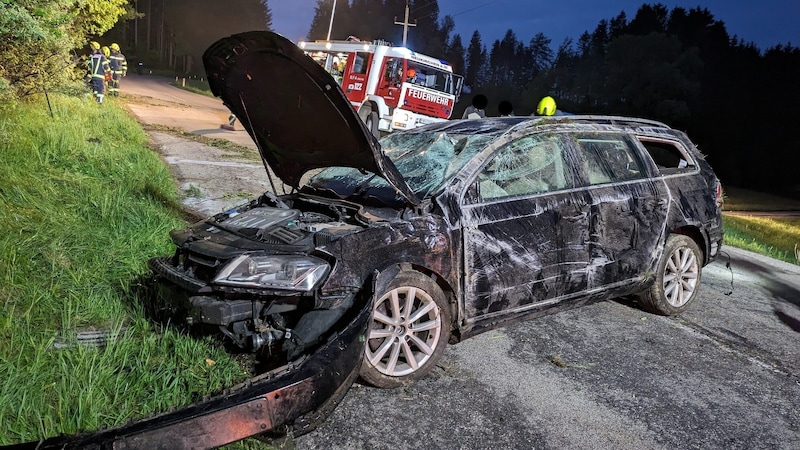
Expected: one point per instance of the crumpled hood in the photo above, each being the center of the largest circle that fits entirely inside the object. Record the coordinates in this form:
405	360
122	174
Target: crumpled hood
293	109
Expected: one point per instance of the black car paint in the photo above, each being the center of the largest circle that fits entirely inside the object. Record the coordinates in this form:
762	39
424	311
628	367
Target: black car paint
500	261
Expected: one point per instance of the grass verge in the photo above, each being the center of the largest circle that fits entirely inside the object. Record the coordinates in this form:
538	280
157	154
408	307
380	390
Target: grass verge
85	204
778	238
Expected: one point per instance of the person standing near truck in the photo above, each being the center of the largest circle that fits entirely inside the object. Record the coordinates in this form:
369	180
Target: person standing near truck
477	109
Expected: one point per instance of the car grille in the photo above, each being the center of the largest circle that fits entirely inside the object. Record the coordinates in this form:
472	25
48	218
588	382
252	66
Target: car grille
163	266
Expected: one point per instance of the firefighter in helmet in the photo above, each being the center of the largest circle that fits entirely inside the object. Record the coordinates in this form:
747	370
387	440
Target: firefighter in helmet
547	107
119	69
411	76
98	68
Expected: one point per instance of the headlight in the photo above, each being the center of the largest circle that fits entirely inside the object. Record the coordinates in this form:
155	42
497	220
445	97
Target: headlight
297	273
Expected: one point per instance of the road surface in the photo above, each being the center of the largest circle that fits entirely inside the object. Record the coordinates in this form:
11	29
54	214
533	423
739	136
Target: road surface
724	375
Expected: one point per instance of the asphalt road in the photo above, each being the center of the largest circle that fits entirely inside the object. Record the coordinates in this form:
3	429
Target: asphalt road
724	375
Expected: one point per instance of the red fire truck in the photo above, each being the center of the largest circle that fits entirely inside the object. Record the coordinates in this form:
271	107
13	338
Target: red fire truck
392	88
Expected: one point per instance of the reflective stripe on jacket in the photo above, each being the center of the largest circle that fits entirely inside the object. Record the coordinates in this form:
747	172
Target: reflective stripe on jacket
98	65
118	62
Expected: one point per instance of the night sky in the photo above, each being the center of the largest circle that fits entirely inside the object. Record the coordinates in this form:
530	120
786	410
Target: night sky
764	22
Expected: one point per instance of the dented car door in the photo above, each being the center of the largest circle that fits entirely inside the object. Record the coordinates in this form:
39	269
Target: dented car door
628	209
525	231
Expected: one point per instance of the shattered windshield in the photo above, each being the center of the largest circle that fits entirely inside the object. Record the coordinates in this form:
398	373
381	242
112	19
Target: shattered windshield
426	160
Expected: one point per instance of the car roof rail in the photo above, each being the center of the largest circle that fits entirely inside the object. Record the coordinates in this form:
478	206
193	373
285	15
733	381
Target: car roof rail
610	120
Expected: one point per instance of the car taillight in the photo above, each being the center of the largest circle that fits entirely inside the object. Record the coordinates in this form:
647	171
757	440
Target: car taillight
719	194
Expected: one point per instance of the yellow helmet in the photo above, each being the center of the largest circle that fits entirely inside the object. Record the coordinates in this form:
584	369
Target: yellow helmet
95	45
115	47
547	107
106	51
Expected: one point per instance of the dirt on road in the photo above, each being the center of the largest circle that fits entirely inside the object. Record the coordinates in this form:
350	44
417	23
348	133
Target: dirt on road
215	169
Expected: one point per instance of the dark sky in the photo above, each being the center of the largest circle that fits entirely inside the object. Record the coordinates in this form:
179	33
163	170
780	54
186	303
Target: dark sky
763	22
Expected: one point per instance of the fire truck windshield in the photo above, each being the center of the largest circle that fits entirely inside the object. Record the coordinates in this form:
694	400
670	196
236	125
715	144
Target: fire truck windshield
430	77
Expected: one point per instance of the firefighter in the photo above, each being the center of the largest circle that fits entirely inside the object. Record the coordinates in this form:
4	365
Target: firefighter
547	107
119	69
411	76
98	68
107	53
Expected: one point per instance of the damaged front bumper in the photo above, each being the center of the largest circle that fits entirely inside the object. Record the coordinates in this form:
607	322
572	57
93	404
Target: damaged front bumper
294	398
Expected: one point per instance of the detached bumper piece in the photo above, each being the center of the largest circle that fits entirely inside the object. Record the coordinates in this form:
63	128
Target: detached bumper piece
297	398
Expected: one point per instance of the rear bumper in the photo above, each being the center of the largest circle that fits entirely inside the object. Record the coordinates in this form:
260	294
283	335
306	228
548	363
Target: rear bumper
298	397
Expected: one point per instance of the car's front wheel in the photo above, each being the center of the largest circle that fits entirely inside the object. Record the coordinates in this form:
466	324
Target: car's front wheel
677	277
409	330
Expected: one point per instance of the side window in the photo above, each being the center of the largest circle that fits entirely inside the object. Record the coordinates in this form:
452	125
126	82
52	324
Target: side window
392	71
608	158
360	63
527	166
668	156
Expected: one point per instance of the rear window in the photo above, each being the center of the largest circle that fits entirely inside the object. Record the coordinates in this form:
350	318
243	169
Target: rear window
668	156
608	158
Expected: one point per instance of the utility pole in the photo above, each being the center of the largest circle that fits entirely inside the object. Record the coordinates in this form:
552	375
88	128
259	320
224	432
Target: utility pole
330	27
405	25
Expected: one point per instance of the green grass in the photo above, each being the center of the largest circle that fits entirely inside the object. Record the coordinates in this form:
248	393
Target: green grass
778	238
84	204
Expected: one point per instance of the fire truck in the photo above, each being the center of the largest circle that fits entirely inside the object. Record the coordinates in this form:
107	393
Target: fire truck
391	88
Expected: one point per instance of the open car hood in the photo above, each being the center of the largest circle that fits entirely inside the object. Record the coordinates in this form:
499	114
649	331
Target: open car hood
293	109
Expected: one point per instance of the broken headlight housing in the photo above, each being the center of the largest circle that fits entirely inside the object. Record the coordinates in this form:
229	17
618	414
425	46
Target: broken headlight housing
292	272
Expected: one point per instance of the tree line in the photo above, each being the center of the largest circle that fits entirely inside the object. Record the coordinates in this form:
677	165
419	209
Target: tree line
45	42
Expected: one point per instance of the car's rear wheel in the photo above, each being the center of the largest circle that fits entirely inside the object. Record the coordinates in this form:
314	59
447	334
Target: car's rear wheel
409	330
677	278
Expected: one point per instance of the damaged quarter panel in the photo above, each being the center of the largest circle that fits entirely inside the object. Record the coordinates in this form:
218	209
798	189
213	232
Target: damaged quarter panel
422	240
695	207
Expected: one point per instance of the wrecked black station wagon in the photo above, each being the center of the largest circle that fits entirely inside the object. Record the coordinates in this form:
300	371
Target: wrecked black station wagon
392	249
444	231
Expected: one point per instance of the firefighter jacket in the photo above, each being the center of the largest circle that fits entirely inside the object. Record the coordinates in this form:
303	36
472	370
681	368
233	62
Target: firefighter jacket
119	65
98	65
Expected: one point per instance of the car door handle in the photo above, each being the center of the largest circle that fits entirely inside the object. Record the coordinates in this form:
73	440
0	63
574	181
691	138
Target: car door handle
577	218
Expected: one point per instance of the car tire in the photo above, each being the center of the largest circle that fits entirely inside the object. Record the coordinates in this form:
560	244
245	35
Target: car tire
677	277
371	119
372	124
408	332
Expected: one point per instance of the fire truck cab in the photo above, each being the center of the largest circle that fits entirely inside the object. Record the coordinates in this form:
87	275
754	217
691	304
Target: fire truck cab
391	88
